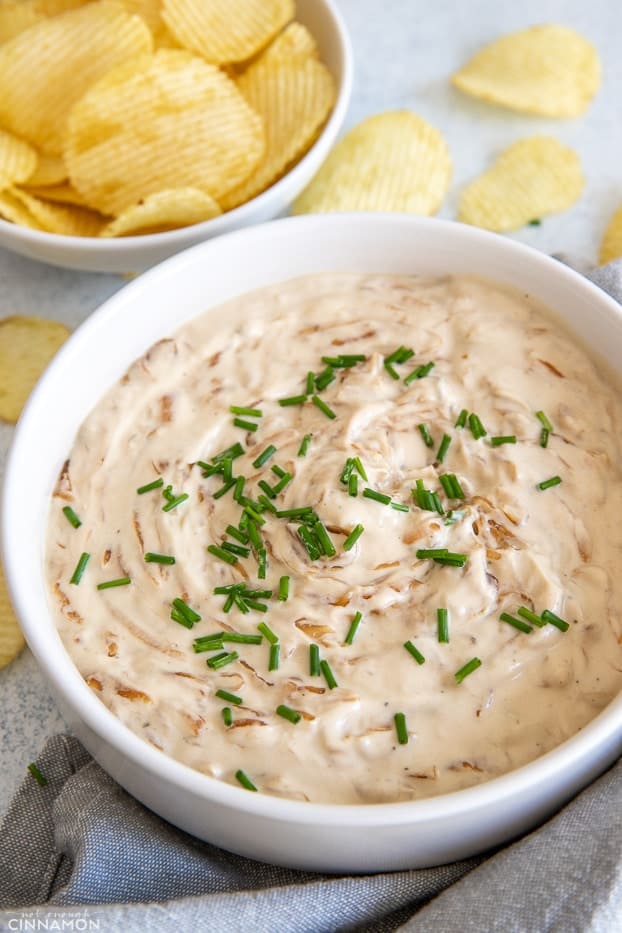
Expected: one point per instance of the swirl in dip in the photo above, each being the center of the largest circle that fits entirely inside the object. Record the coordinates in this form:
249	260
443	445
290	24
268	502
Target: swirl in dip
396	700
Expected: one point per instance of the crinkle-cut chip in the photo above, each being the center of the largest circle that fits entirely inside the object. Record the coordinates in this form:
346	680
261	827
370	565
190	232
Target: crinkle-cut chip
50	170
13	210
611	246
393	161
294	98
293	44
548	70
65	219
151	12
531	178
18	15
164	210
58	194
11	638
44	70
18	160
27	344
170	120
226	31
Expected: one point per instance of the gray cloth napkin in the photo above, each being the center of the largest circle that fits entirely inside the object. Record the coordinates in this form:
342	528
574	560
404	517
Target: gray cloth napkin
81	854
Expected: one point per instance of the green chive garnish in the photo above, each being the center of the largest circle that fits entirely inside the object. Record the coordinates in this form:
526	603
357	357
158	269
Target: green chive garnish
186	611
324	379
401	355
419	658
442	624
530	616
219	552
238	549
224	489
254	536
311	543
400	727
443	447
273	658
267	488
346	473
208	643
292	400
244	780
178	617
282	483
109	584
227	715
344	360
547	483
376	496
360	469
80	568
250	412
262	563
419	373
295	513
353	485
477	428
71	517
544	421
467	669
41	781
314	661
310	383
329	677
552	619
431	552
323	537
544	437
356	621
265	455
399	507
240	638
516	623
221	660
156	484
304	445
269	634
151	558
283	589
500	439
246	425
535	222
229	697
317	401
175	501
288	713
230	453
425	434
353	537
451	486
462	418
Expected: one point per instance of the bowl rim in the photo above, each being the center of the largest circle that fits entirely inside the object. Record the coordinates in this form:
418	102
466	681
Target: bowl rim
237	216
60	670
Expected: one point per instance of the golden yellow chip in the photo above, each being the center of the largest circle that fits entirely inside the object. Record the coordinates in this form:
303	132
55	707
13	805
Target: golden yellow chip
50	170
611	246
18	160
151	12
27	344
393	161
164	121
13	210
65	219
226	31
548	70
11	638
58	194
294	43
294	98
164	210
531	178
45	69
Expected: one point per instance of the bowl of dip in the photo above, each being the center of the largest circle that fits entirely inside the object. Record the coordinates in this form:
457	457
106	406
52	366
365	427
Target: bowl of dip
132	254
380	591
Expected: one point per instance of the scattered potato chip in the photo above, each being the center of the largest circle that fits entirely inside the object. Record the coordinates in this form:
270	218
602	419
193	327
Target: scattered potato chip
27	344
18	160
45	69
170	120
226	31
548	70
65	219
11	638
294	98
151	12
611	246
393	161
59	194
50	170
531	178
13	210
164	210
293	44
18	15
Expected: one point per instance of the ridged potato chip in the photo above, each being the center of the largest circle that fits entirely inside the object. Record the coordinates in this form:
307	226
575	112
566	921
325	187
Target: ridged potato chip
18	160
294	98
548	70
45	69
151	12
11	638
393	161
164	210
27	344
226	31
293	44
65	219
531	178
50	170
168	120
13	210
611	246
18	15
58	194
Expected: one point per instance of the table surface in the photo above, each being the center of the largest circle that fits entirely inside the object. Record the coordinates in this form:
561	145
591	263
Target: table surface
404	52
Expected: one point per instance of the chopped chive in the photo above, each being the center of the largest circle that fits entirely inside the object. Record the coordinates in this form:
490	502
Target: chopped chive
376	496
443	447
254	515
246	425
244	780
234	532
268	506
544	437
400	728
317	401
451	486
224	489
346	473
288	713
356	621
238	549
283	589
419	658
41	781
310	383
240	638
230	453
344	360
323	537
304	445
238	490
329	677
467	669
353	537
477	428
282	483
221	660
80	568
262	563
516	623
219	552
254	535
156	484
310	542
314	661
419	373
452	560
177	616
292	400
71	517
267	488
269	634
425	434
535	222
547	483
257	606
442	624
360	469
265	455
109	584
399	507
278	471
532	617
229	697
544	421
432	552
552	619
186	611
151	558
241	410
274	657
500	439
401	355
295	513
462	418
208	643
324	379
353	485
227	715
174	502
437	503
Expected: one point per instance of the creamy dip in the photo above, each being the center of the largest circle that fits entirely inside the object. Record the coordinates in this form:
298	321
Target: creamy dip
496	355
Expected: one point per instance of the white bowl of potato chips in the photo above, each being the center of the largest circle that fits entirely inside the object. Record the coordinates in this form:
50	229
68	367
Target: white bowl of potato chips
131	129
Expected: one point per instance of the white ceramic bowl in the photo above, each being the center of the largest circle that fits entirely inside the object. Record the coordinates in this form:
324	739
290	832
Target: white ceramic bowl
298	834
134	254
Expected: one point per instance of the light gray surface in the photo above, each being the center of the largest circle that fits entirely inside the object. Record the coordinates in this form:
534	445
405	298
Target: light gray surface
404	52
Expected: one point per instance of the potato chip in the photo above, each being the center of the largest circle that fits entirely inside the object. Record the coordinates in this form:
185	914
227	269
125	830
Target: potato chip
226	31
58	194
50	170
293	44
393	161
13	210
164	121
164	210
65	219
611	246
548	70
18	160
294	98
18	15
44	70
27	344
531	178
11	638
151	12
